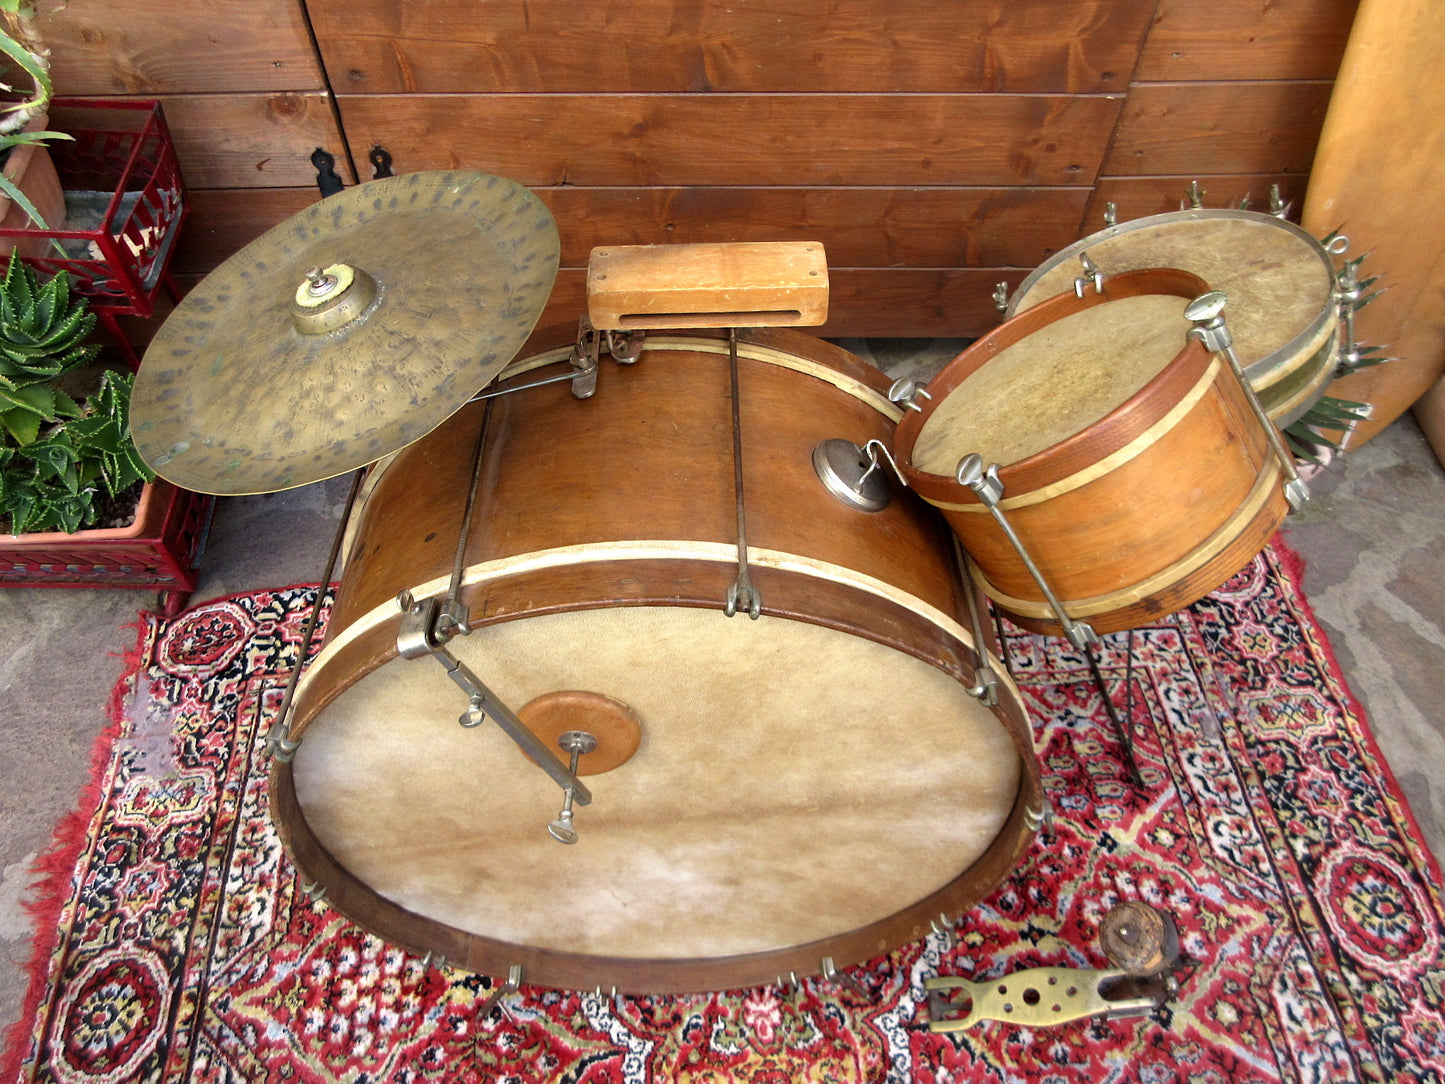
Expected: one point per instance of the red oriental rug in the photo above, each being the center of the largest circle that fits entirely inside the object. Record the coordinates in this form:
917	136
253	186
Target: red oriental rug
177	945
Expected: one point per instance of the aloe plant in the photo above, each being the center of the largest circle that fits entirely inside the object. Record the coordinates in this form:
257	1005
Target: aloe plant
42	337
56	455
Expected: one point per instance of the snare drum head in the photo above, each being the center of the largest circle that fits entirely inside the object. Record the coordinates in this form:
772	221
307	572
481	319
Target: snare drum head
1054	383
793	783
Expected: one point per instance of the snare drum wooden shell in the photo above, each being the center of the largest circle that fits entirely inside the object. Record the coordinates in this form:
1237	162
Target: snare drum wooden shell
615	517
1137	515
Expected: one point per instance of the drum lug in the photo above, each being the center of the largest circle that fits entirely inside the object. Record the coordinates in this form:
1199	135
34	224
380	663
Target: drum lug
1000	298
511	986
906	391
831	974
1207	314
988	487
415	639
1092	276
1278	206
1351	298
279	744
315	891
985	686
1111	214
1347	295
1040	819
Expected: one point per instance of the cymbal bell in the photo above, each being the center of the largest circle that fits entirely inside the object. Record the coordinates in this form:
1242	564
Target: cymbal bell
350	330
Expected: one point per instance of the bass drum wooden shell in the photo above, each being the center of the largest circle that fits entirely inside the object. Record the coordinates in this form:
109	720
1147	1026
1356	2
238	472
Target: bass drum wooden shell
814	783
1133	470
1280	281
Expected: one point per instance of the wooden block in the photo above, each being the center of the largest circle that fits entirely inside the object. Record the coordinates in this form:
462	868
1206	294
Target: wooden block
871	302
748	284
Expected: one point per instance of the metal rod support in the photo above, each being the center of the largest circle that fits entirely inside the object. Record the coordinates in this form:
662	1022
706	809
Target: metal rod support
278	741
742	594
1206	313
484	702
989	489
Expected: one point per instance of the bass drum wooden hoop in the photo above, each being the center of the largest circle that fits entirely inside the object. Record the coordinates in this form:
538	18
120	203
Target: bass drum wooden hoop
1280	281
1133	470
816	783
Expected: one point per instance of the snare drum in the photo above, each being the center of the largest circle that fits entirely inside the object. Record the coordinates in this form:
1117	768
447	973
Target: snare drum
815	783
1280	281
1133	470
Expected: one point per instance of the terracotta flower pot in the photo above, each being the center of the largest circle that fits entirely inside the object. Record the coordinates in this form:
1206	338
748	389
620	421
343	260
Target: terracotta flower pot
30	169
161	549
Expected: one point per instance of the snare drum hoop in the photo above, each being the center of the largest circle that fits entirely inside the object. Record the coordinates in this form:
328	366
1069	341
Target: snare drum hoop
1112	433
1316	335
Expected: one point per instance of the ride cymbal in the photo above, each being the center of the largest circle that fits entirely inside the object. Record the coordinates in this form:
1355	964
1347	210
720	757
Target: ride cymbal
348	331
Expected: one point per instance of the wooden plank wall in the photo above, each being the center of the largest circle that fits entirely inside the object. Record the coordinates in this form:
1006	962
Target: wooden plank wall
934	148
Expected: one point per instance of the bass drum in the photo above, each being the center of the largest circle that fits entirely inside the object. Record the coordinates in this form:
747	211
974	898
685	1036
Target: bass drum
816	783
1282	312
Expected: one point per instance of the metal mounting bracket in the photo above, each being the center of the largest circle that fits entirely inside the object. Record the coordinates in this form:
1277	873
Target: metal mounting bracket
419	636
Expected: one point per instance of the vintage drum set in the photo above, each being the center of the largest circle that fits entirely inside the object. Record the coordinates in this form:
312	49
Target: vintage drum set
703	596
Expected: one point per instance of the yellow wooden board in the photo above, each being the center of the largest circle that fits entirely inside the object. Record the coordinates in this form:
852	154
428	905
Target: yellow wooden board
742	284
1376	176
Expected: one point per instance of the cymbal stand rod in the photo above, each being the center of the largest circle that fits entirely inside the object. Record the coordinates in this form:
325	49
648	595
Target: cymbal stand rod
281	746
985	684
454	617
1129	682
1126	739
497	392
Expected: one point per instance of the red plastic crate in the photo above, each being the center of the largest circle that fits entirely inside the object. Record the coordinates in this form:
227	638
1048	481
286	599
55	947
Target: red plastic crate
161	549
123	149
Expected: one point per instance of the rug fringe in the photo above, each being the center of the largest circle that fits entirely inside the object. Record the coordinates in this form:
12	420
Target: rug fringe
56	866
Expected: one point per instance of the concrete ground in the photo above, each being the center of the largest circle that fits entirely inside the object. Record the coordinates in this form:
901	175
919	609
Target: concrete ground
1373	538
